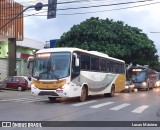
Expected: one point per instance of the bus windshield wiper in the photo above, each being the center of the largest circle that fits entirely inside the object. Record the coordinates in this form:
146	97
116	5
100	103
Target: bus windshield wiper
56	76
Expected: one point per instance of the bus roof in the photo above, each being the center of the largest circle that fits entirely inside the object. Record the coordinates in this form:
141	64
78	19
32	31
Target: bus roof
72	49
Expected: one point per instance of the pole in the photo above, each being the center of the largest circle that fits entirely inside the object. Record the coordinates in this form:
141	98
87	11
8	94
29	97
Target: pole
32	6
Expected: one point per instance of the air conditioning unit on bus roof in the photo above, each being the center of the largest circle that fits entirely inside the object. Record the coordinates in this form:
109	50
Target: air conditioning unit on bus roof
144	66
98	53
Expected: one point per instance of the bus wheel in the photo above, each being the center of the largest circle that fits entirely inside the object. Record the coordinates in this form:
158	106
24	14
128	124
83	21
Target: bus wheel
83	96
52	99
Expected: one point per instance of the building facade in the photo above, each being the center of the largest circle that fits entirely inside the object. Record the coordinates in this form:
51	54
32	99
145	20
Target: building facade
24	49
8	10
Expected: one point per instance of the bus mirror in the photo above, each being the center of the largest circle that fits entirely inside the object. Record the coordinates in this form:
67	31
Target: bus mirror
76	59
77	62
29	60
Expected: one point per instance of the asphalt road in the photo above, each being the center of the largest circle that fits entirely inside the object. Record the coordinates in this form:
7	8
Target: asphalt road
137	106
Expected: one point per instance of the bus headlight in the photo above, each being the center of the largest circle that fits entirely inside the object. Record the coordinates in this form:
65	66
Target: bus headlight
144	84
33	86
127	87
158	83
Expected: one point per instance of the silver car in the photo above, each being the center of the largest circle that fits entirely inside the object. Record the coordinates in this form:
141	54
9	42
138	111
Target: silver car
129	86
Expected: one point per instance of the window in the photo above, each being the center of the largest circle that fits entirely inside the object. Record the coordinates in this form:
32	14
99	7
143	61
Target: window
107	66
102	65
85	62
94	63
111	66
15	79
8	79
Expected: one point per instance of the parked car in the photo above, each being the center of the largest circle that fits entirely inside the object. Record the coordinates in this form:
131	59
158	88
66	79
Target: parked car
16	82
129	86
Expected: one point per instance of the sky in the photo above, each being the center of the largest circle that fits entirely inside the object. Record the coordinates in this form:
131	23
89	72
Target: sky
144	17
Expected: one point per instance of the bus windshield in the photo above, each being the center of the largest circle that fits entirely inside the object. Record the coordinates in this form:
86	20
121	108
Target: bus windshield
140	77
49	66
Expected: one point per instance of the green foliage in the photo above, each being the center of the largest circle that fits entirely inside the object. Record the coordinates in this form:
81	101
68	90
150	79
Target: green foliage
113	38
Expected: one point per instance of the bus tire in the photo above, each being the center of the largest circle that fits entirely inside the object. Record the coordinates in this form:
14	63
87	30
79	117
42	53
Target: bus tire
52	99
84	94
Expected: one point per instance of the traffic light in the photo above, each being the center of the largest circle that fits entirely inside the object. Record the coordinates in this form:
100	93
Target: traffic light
52	7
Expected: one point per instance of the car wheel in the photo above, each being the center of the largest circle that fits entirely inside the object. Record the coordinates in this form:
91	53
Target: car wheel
20	88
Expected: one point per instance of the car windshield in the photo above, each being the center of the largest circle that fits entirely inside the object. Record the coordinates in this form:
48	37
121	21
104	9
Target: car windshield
52	65
128	82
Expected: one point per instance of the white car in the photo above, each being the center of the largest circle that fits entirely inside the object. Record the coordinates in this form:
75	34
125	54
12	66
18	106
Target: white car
29	80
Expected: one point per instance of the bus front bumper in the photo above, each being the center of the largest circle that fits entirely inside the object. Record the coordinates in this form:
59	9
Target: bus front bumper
54	93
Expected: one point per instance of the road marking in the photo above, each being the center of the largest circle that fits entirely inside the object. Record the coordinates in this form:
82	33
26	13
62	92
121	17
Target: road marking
101	105
83	103
22	99
120	106
13	99
36	100
140	109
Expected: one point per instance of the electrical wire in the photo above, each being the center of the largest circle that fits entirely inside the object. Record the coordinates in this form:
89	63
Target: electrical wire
85	7
110	9
100	5
88	12
78	1
35	14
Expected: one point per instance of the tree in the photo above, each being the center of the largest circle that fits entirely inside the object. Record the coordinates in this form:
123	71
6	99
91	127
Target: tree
114	38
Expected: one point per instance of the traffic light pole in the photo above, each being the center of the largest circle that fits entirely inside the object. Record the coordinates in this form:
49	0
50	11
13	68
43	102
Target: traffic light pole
37	7
52	6
12	42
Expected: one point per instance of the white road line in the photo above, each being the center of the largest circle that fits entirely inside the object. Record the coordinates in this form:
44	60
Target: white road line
120	106
101	105
21	99
36	100
83	103
13	99
140	109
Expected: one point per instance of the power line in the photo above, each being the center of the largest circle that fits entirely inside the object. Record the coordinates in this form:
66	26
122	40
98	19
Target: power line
96	11
105	5
90	11
100	5
74	1
80	1
110	9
